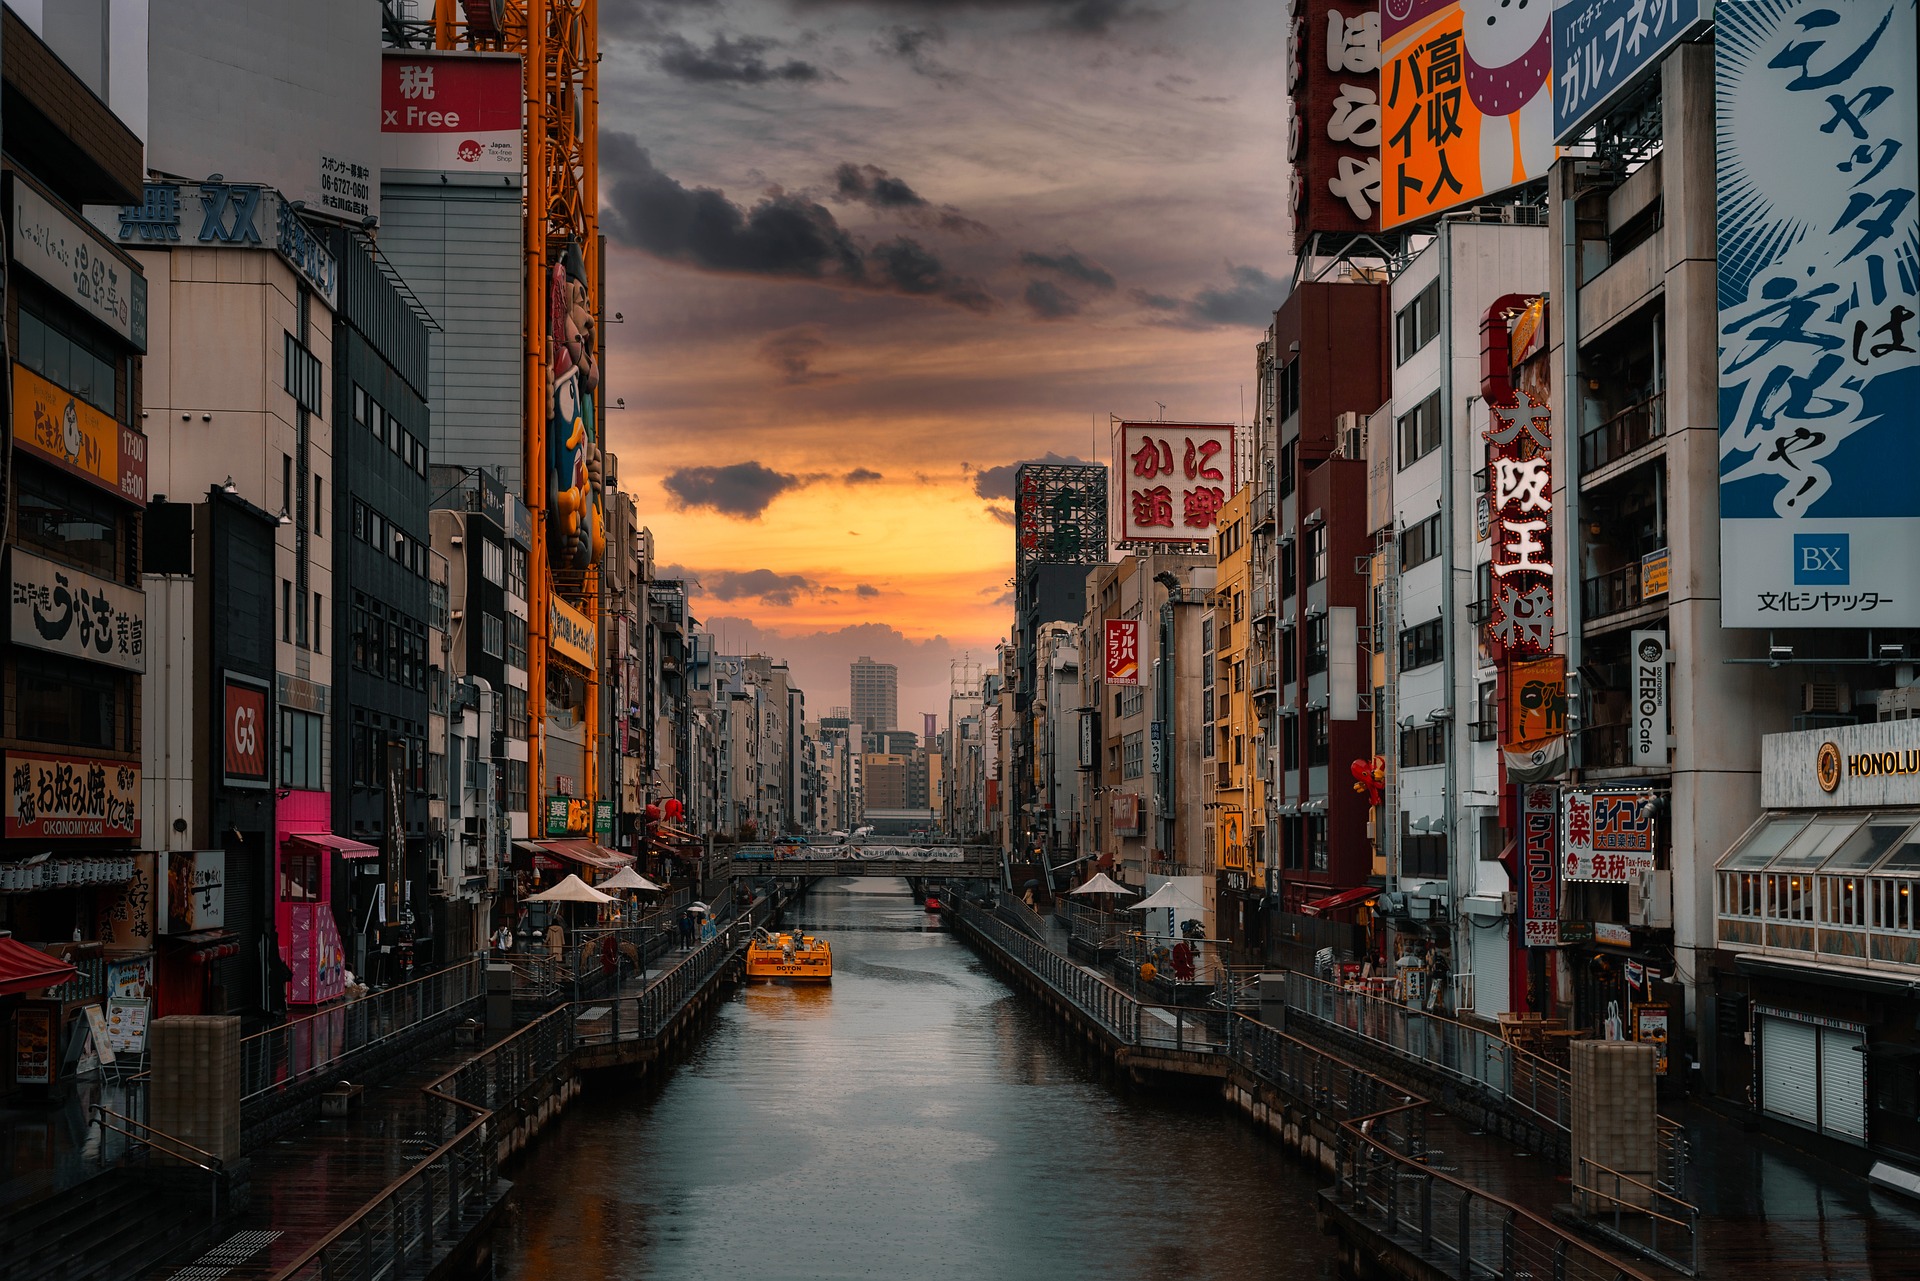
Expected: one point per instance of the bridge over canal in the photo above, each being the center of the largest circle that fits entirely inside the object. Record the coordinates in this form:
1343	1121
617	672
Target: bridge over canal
916	863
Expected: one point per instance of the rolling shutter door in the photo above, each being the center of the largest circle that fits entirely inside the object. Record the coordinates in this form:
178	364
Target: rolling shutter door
1843	1083
1789	1070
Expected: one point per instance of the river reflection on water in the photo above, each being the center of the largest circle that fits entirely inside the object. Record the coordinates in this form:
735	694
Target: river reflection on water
914	1119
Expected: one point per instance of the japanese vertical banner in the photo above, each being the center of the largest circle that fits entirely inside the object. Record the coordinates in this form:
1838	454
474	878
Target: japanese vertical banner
1818	225
1333	149
1520	499
1173	480
1123	651
1540	865
1467	102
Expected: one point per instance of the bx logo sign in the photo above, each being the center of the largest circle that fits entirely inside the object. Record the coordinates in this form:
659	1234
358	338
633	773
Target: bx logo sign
1822	560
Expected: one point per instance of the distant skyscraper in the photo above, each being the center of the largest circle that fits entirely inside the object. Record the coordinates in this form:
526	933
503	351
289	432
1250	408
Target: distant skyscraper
876	694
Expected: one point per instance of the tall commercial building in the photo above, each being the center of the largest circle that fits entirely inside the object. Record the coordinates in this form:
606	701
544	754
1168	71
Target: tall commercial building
876	694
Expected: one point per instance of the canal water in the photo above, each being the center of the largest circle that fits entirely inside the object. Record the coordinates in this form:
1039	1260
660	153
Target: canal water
916	1119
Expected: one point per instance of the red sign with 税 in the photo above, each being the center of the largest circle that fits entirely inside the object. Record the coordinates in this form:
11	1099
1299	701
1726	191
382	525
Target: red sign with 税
1123	651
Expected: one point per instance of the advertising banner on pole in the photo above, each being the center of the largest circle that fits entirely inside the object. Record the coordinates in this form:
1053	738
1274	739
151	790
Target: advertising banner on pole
1818	226
1466	91
1539	865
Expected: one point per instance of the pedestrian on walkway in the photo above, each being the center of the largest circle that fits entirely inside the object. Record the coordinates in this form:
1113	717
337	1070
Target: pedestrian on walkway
503	939
557	947
686	929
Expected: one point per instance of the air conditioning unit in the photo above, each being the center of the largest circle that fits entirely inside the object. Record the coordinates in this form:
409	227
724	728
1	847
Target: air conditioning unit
470	826
1650	900
437	872
1350	436
1834	698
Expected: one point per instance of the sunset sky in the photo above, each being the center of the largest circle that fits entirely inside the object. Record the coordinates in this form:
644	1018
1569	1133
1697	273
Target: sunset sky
870	253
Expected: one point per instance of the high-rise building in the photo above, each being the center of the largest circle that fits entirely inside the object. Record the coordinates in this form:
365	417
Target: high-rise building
876	694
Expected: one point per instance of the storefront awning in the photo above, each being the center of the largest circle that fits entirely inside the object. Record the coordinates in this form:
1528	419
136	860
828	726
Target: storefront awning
1345	898
25	969
1826	976
346	847
585	853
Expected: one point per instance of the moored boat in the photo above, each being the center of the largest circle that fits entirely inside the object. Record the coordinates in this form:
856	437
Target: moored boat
795	957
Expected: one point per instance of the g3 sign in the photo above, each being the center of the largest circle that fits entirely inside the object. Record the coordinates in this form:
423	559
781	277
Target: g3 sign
244	731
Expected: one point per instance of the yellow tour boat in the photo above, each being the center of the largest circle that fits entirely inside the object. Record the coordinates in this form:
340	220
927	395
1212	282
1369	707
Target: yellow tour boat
798	958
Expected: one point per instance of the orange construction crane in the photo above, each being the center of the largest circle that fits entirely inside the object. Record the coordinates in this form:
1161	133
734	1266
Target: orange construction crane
559	46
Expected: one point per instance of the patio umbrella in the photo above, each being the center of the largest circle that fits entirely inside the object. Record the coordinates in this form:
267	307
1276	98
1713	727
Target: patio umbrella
627	879
1101	884
698	908
1165	896
570	890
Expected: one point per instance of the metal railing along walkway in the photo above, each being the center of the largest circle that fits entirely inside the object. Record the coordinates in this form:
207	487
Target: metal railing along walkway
1382	1175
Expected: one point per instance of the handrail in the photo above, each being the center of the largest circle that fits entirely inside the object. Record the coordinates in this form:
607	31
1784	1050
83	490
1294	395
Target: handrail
1639	1206
200	1158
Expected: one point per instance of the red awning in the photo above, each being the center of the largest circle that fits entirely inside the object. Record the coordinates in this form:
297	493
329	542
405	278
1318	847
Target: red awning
585	853
202	946
1345	898
346	847
26	969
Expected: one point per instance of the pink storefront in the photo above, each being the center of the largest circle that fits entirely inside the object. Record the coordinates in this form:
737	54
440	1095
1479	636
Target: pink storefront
306	857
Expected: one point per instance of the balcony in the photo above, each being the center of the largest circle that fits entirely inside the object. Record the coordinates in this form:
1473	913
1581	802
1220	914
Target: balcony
1262	509
1486	731
1261	680
1611	593
1223	777
1606	747
1632	428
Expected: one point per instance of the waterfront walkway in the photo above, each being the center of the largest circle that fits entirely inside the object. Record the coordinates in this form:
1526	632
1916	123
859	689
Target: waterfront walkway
1764	1208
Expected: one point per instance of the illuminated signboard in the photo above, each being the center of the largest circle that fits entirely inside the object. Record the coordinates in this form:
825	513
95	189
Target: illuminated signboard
1520	483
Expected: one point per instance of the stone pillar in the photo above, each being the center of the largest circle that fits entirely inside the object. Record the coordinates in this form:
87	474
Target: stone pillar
1615	1122
195	1095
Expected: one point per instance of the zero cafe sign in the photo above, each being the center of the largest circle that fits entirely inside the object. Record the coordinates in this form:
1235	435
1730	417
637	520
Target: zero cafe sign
1854	765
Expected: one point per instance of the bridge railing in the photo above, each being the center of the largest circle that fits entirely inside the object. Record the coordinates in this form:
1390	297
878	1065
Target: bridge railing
1539	1086
644	1015
313	1045
1091	994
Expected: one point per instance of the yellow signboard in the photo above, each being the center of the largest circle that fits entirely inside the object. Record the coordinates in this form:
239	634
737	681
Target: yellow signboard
572	634
58	426
1654	567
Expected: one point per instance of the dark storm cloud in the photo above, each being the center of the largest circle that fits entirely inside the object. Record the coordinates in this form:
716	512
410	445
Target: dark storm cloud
645	20
783	235
1072	266
730	60
913	46
879	190
872	185
1088	17
793	352
997	482
741	490
1049	301
863	476
866	589
765	585
1250	297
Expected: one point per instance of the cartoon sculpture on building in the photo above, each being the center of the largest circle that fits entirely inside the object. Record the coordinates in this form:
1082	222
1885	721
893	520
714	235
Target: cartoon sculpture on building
577	527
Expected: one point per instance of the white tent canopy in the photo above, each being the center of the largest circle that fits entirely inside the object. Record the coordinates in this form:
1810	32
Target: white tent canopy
571	890
1101	883
1165	896
627	879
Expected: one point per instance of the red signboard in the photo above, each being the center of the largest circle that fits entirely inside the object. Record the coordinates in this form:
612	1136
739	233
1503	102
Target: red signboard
244	731
1539	865
1608	836
1173	480
1333	81
450	111
1123	651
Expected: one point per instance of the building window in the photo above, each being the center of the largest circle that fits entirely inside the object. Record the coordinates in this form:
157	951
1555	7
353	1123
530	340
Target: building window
1424	745
1289	744
1419	431
70	522
437	689
319	492
1420	543
492	635
1319	644
1421	645
1317	843
286	482
1417	323
493	564
516	712
517	571
1288	580
1421	854
72	704
1317	738
319	614
302	762
286	609
1133	755
304	376
1485	727
1289	389
516	641
1289	655
68	361
1317	554
1289	454
1130	701
516	788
